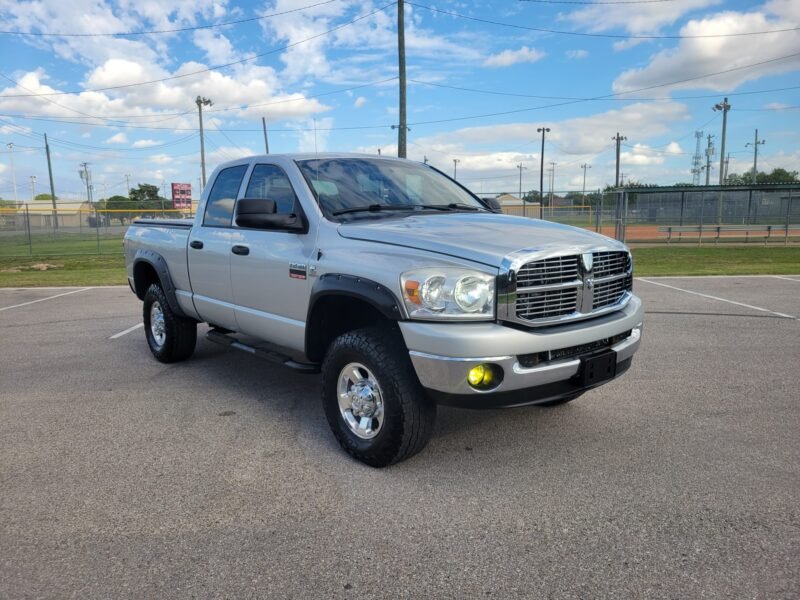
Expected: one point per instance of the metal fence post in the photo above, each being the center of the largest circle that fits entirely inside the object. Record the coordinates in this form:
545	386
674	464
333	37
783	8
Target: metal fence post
97	228
702	208
28	229
788	213
599	227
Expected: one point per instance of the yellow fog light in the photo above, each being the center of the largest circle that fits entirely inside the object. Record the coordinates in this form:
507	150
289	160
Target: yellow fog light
485	376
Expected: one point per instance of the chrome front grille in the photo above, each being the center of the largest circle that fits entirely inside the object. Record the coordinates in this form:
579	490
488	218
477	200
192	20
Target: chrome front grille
608	293
607	264
549	271
551	303
562	288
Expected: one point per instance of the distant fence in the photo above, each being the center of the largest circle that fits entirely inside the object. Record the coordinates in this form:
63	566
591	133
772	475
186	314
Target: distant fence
763	213
27	231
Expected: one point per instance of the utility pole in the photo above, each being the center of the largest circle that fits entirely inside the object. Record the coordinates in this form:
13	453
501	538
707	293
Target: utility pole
266	141
128	184
10	146
33	188
756	142
724	107
401	65
727	162
619	139
584	166
709	154
87	178
455	167
541	130
201	102
52	187
524	207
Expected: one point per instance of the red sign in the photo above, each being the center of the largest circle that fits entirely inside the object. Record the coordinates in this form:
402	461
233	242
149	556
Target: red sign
181	195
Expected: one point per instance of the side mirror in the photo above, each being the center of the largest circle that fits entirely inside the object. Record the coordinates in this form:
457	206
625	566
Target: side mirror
257	213
493	205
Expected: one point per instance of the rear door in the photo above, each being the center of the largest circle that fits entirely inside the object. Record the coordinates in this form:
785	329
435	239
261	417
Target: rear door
210	247
269	274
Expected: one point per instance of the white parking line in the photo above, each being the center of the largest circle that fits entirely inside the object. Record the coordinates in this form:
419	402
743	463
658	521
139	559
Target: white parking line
127	331
786	278
43	299
758	308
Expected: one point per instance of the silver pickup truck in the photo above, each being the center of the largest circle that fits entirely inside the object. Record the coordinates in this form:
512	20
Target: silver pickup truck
403	288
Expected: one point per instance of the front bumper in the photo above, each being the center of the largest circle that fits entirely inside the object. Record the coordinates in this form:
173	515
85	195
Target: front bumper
443	354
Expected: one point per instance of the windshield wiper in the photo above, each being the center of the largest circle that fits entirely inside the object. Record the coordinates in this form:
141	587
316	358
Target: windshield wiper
374	208
381	207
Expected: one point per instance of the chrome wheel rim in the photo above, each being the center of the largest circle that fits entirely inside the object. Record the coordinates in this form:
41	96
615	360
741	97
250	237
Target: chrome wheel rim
360	401
157	328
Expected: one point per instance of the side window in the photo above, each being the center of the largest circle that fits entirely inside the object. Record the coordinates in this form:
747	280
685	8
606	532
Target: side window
270	182
219	208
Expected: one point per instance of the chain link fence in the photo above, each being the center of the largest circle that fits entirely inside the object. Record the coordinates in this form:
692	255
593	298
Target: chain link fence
764	213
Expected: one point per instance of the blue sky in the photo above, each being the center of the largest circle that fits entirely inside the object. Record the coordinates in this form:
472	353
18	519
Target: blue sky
481	81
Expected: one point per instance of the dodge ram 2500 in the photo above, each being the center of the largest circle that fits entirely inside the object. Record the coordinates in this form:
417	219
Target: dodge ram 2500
402	287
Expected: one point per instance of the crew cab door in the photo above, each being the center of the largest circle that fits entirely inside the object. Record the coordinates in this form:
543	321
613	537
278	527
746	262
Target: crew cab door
209	252
270	268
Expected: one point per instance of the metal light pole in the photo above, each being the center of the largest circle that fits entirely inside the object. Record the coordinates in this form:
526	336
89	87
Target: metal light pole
10	146
524	206
33	188
128	184
724	107
541	130
585	166
755	145
455	167
401	66
201	102
709	154
619	139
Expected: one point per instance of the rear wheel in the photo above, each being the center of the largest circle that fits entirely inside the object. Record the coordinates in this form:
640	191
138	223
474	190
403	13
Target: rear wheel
171	338
374	403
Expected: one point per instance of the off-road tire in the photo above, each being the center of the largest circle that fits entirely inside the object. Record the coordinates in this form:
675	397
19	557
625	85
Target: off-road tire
409	415
180	333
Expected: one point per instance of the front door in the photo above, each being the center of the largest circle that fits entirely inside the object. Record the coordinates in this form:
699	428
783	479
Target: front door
270	271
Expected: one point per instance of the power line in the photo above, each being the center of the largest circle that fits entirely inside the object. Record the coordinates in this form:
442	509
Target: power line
160	31
212	68
661	99
599	35
448	120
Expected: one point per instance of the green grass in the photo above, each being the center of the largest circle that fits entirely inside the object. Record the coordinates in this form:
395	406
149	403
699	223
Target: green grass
70	270
725	260
59	245
110	269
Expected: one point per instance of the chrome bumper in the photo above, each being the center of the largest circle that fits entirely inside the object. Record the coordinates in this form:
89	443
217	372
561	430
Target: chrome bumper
448	374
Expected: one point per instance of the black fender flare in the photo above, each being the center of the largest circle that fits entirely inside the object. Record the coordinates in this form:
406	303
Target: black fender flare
348	286
159	264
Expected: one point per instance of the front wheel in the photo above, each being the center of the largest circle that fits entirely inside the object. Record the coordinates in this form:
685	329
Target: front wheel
171	338
374	403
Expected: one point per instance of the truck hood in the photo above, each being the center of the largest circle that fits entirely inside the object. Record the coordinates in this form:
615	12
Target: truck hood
479	237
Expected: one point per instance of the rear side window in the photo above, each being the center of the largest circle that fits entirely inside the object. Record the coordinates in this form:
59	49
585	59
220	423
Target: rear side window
270	182
219	208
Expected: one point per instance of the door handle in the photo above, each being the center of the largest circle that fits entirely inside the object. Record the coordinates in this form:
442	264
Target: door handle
241	250
196	244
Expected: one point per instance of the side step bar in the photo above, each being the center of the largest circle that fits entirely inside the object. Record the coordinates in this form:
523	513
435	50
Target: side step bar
219	337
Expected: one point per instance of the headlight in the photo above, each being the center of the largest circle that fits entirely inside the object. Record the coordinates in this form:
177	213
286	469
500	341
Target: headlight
448	293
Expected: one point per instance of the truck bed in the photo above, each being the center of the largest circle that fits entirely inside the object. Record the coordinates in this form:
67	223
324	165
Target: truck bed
181	223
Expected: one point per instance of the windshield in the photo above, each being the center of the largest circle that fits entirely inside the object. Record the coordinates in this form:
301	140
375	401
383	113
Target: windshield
359	187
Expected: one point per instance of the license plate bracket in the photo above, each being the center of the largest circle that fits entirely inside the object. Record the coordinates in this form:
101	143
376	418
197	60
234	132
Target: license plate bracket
598	368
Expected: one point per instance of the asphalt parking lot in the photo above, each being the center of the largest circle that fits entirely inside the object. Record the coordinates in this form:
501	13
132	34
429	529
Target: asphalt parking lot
124	478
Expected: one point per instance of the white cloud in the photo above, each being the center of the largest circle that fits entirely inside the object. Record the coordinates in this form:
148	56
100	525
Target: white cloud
673	148
645	18
118	138
144	143
699	56
359	102
506	58
577	54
